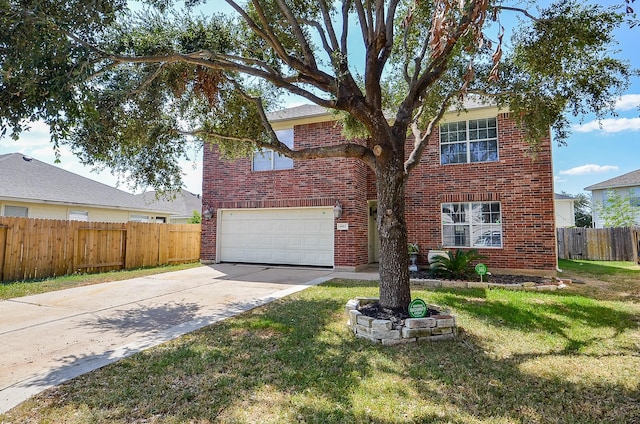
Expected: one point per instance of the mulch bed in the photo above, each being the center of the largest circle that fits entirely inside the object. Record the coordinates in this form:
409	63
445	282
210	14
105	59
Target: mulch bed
374	310
494	278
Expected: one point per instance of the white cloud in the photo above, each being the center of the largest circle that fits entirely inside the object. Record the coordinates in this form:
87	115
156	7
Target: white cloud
614	125
589	169
628	102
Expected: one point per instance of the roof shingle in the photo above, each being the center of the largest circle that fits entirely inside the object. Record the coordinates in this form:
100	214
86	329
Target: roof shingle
27	179
630	179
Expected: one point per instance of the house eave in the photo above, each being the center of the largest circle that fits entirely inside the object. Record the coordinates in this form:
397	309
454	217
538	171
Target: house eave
84	205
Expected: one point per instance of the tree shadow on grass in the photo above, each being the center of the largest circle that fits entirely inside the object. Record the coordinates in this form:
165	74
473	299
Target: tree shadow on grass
295	361
546	312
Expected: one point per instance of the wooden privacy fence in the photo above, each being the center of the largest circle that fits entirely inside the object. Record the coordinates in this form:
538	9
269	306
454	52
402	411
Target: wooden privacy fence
40	248
599	244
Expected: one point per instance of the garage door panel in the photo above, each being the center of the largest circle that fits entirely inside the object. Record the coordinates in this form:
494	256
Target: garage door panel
296	236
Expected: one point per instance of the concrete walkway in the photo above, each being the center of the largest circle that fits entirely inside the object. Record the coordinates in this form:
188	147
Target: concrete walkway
50	338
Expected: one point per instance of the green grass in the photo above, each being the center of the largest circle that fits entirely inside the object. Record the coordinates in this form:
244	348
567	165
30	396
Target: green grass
602	279
520	357
25	288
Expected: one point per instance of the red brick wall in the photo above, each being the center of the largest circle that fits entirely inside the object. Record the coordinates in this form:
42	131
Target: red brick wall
522	184
316	182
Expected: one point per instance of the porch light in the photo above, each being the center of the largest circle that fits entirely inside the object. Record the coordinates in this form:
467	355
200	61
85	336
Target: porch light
207	214
337	210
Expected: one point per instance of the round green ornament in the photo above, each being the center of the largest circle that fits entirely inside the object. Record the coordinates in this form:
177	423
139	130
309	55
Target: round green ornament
481	269
418	308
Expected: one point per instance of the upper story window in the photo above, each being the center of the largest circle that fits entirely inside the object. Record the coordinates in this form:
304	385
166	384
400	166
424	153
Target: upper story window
475	224
268	160
16	211
470	141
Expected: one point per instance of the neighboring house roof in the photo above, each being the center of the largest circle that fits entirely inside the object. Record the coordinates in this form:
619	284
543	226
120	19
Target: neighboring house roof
303	111
630	179
313	110
29	180
181	204
559	196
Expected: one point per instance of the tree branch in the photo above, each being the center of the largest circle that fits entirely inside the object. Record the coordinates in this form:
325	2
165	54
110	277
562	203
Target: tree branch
364	24
440	57
344	150
346	5
309	56
517	9
326	16
421	140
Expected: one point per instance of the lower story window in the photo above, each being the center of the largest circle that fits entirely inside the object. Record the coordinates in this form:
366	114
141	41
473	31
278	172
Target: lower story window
473	224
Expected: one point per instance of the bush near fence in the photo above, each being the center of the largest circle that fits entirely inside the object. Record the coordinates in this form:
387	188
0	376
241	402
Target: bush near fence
599	244
40	248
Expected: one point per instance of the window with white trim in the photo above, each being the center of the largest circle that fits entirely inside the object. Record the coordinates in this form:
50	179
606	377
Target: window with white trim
19	211
472	224
269	160
470	141
78	215
139	218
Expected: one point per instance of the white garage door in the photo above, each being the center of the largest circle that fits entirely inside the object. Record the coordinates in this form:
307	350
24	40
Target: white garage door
291	236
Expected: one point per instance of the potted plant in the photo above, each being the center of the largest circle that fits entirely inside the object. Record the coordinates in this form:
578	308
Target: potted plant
413	255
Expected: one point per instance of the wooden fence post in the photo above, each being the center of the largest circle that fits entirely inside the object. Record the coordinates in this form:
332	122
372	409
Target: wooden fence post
40	248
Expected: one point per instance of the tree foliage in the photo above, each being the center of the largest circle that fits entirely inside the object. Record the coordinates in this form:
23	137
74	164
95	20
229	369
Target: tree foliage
196	218
583	215
618	210
131	89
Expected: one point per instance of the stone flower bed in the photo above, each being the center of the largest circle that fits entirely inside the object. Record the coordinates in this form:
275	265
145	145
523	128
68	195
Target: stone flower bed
503	281
440	326
527	285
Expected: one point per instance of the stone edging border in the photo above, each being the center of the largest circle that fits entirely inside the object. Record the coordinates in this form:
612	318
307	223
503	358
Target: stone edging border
478	285
386	332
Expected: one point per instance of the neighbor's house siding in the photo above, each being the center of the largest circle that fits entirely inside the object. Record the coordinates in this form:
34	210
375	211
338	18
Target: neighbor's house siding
52	211
599	198
521	183
565	213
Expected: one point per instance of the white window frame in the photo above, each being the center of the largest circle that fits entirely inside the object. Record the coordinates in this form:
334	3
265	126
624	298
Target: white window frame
472	225
139	218
78	215
269	160
16	208
470	137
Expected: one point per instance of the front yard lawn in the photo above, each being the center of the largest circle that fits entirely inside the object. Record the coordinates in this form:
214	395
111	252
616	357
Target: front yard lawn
603	279
520	357
10	290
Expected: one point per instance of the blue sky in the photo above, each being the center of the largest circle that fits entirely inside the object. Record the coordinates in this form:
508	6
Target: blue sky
596	151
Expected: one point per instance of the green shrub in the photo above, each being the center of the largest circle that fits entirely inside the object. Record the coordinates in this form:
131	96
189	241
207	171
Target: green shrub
456	265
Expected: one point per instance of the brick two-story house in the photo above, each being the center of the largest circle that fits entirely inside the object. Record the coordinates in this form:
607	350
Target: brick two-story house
477	186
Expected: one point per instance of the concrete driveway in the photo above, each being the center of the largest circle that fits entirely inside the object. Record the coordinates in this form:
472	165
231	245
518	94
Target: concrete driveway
49	338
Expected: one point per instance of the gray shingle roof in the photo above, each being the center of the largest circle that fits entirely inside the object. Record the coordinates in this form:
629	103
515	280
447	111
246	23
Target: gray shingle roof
312	110
303	111
630	179
30	180
182	205
559	196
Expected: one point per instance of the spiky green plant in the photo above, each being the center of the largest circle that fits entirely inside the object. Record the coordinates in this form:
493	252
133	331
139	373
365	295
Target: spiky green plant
456	265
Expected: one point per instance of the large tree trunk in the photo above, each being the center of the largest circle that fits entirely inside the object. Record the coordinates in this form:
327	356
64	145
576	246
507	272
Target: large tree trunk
394	258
